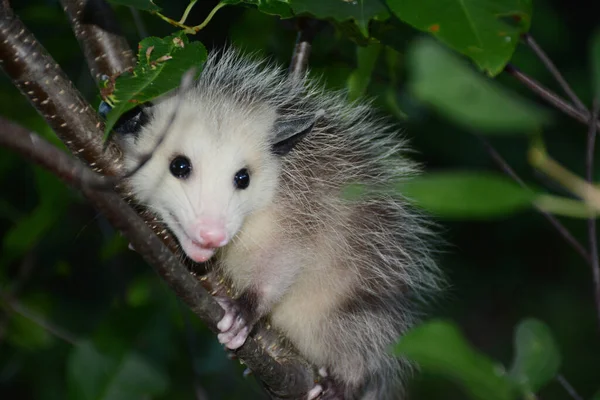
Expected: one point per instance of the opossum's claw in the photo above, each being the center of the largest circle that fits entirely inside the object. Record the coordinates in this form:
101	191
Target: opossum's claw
233	326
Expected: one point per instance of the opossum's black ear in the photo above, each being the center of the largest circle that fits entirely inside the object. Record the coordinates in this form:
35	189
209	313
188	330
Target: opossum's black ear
289	132
131	122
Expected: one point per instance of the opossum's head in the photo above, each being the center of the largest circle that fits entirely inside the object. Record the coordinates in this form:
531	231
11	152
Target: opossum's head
215	166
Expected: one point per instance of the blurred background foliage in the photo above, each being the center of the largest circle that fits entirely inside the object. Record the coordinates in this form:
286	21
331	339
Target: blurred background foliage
67	279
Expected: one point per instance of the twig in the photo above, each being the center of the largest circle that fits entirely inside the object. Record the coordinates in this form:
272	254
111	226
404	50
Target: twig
41	80
104	46
549	96
15	306
554	71
560	228
568	388
307	30
139	23
593	240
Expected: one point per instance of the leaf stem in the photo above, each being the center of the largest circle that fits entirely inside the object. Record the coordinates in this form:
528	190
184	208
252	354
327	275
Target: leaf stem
187	11
191	30
580	187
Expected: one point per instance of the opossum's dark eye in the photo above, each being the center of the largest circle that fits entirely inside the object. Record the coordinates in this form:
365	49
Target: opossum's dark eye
180	167
242	179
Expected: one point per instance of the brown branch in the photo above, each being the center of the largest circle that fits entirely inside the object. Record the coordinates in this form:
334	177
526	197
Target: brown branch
105	48
560	228
554	71
593	240
549	96
48	89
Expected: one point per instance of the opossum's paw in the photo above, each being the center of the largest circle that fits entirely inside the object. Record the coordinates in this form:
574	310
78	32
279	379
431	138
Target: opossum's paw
234	325
314	393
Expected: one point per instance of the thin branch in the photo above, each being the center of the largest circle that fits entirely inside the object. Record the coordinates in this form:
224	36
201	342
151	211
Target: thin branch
105	48
560	228
554	71
283	372
549	96
593	240
13	305
568	388
139	23
47	87
307	30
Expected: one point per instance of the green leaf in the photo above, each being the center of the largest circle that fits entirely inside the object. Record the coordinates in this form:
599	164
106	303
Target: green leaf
537	357
93	375
359	80
271	7
467	194
445	82
595	56
359	11
145	5
439	347
161	64
486	31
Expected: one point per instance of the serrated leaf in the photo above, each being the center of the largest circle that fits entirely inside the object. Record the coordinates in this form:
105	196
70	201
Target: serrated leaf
467	194
161	64
595	56
439	347
145	5
486	31
445	82
359	80
537	357
94	375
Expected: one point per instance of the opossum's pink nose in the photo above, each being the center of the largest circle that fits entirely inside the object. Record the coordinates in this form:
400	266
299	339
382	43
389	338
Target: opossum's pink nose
211	233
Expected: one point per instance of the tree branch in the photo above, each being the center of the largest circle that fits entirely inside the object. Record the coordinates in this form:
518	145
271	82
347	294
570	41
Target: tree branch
48	89
549	96
277	366
593	240
307	29
560	228
554	71
104	46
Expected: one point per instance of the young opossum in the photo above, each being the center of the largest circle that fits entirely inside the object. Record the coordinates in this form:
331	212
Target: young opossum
252	178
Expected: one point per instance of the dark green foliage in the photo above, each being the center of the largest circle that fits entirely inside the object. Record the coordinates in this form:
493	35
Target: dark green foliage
81	317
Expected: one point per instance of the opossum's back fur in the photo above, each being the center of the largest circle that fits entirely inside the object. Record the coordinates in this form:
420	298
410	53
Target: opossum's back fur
360	265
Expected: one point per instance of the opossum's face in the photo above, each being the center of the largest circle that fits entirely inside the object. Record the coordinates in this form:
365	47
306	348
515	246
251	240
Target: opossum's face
209	173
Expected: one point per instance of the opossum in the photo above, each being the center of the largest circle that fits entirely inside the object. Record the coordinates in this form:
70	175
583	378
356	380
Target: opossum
252	178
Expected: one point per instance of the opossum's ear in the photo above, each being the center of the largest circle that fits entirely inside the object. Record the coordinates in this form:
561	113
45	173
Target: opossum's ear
131	122
290	131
